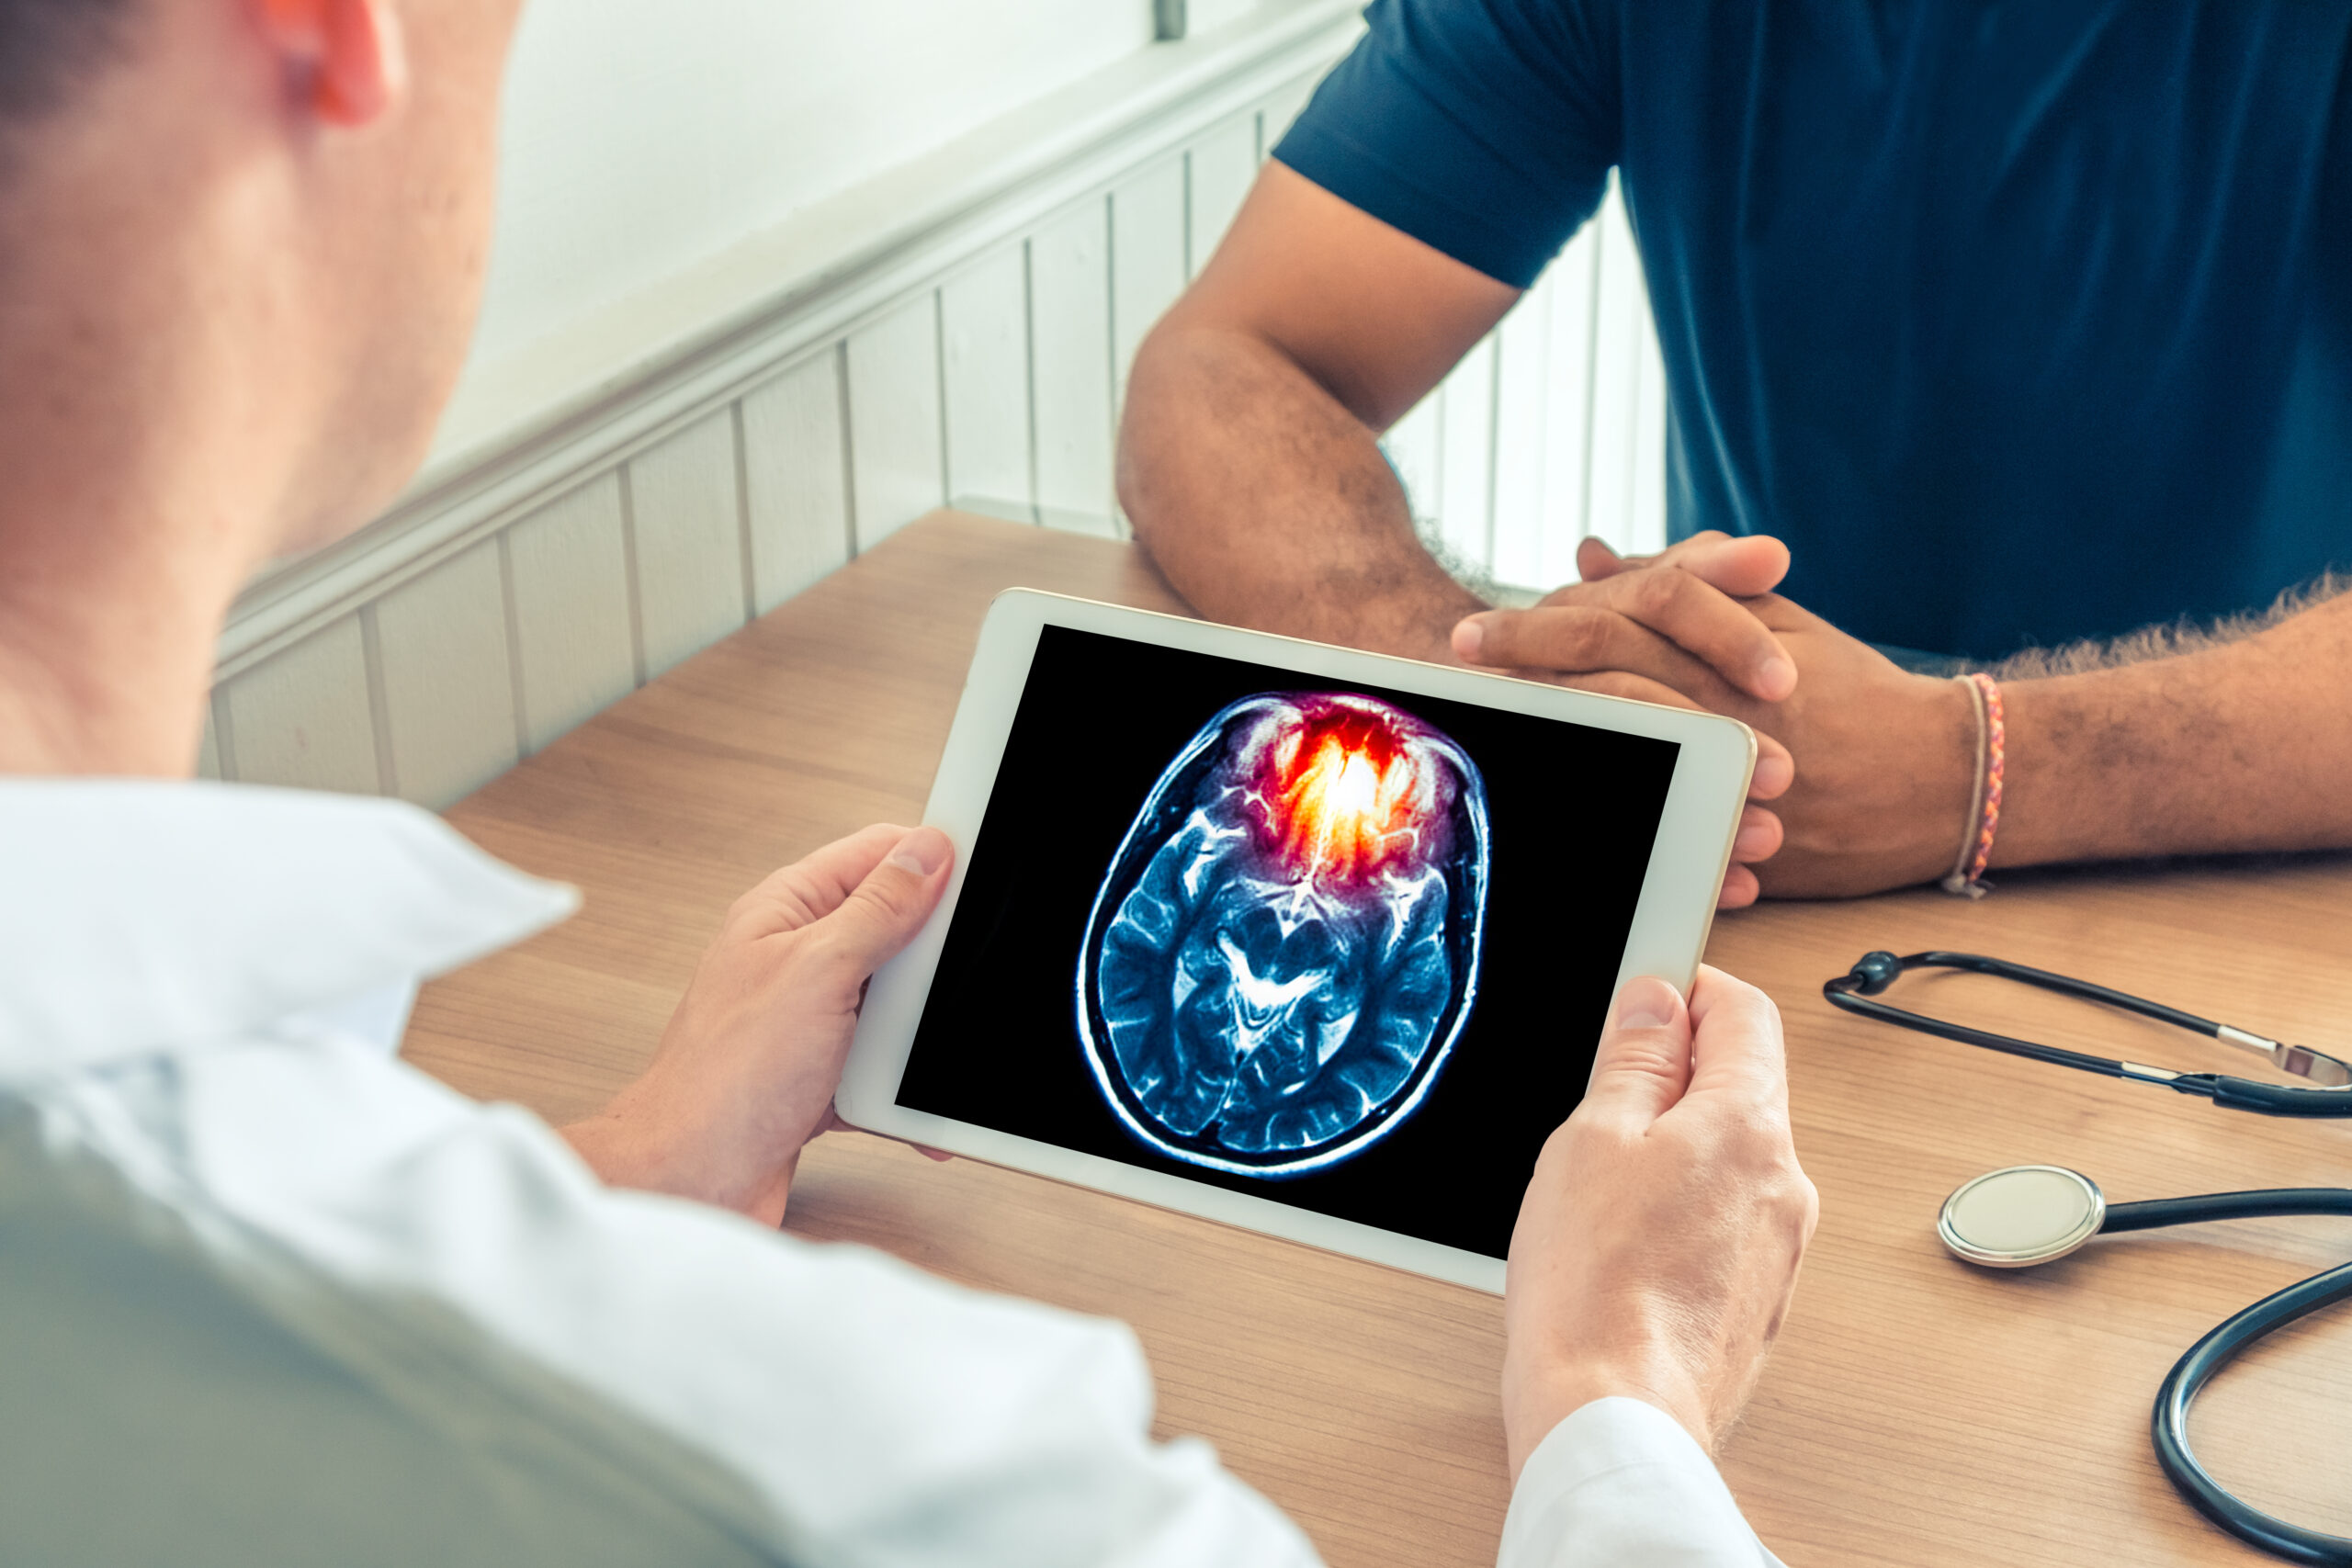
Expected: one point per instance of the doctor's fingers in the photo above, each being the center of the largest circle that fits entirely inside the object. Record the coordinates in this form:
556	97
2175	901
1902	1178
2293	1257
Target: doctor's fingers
1643	1064
882	914
812	886
1738	1053
1719	642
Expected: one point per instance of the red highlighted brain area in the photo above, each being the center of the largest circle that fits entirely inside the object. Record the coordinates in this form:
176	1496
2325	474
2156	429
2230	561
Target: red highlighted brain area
1343	791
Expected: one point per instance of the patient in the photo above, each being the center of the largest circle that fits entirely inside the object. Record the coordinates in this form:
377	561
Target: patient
268	1295
1961	302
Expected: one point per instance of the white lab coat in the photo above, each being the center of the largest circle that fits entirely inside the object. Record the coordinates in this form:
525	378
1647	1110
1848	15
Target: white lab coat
269	1296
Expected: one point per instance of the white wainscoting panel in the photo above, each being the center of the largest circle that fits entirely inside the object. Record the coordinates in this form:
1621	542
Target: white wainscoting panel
305	717
1620	323
984	333
447	678
897	461
686	534
1522	431
1147	258
1466	459
575	648
795	479
1568	444
1553	428
1069	314
1649	437
992	371
1222	165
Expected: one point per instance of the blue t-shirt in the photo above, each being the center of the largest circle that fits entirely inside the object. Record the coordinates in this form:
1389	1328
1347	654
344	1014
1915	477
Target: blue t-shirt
2021	321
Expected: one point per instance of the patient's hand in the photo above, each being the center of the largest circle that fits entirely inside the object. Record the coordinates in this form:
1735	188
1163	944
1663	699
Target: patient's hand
746	1071
1885	760
1684	636
1657	1248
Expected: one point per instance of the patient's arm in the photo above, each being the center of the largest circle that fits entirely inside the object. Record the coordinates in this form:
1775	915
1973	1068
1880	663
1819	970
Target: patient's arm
2214	746
2237	745
1249	461
1249	453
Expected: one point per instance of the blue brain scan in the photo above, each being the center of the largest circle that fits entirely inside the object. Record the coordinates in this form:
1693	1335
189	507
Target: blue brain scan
1285	946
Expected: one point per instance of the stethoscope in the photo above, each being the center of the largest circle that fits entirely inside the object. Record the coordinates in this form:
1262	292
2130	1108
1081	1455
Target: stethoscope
2032	1214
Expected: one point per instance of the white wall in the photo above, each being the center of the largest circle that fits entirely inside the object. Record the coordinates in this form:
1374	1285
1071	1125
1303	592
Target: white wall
640	139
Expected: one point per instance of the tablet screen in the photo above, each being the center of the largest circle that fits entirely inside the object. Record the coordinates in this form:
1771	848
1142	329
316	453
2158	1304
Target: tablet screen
1338	946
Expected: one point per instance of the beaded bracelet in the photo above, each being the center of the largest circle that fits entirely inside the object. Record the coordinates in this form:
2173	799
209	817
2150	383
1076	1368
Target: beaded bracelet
1967	876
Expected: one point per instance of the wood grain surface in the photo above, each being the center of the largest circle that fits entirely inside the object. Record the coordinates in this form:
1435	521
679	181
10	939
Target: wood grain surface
1916	1412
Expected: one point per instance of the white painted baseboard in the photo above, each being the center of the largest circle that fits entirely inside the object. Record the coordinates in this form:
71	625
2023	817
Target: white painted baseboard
960	329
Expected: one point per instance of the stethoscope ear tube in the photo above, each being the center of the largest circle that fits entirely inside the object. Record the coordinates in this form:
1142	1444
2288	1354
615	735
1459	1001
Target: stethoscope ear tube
1857	991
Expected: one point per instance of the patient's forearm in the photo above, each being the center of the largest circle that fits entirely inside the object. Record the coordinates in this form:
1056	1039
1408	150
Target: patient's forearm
2245	746
1268	504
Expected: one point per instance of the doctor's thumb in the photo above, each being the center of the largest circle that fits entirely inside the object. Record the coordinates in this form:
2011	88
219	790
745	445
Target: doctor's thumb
882	913
1644	1063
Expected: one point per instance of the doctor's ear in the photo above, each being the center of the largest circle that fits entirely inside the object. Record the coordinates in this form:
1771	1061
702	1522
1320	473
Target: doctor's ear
343	60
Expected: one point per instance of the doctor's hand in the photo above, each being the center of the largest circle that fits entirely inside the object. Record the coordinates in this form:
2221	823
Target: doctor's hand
1657	1248
1661	636
745	1074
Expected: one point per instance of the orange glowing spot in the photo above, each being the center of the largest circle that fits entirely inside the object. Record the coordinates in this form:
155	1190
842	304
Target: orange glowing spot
1348	799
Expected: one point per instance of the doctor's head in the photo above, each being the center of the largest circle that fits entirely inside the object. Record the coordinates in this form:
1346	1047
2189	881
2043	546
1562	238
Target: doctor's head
241	242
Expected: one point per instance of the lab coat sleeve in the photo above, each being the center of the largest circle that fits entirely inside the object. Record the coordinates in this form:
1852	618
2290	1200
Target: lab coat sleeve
887	1418
1618	1484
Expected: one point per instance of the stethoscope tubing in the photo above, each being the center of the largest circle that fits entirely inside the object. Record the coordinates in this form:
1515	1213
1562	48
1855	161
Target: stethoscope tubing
2169	1421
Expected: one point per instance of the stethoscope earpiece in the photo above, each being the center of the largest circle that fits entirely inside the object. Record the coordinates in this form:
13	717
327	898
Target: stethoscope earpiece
2022	1216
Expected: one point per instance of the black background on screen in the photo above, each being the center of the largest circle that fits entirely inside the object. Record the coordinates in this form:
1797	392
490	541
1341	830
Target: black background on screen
1573	812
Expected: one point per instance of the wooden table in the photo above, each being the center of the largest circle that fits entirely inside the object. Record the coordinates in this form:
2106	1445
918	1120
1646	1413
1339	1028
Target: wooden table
1916	1412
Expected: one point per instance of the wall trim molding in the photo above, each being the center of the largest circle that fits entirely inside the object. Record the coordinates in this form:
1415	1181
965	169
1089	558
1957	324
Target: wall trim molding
524	433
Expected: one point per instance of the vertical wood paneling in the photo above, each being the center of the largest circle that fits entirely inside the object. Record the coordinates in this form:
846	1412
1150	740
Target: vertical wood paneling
1523	380
1568	411
1222	163
1649	441
688	527
569	572
794	481
1001	383
301	718
1412	444
984	335
1069	317
1148	257
1619	322
208	750
1276	114
897	470
448	689
1466	458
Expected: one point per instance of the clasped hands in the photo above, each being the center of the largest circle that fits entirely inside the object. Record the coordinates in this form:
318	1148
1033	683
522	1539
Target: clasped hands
1867	767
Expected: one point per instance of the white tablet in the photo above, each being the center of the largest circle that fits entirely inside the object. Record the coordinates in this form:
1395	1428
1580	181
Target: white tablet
1297	937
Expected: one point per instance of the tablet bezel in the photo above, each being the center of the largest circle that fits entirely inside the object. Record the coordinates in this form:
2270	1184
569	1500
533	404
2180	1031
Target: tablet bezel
1677	906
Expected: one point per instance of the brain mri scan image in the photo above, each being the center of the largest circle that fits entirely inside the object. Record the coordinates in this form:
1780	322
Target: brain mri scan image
1285	945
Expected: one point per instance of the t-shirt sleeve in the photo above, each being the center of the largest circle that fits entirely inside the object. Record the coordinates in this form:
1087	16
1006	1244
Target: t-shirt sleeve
1485	128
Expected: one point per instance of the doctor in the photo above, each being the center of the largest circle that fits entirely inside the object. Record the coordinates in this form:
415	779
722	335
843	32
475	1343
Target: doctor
268	1296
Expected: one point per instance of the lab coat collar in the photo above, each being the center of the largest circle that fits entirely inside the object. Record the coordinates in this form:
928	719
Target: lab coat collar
139	917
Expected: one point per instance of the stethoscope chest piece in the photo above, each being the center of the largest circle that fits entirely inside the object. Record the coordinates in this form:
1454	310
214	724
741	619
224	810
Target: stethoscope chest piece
2022	1216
